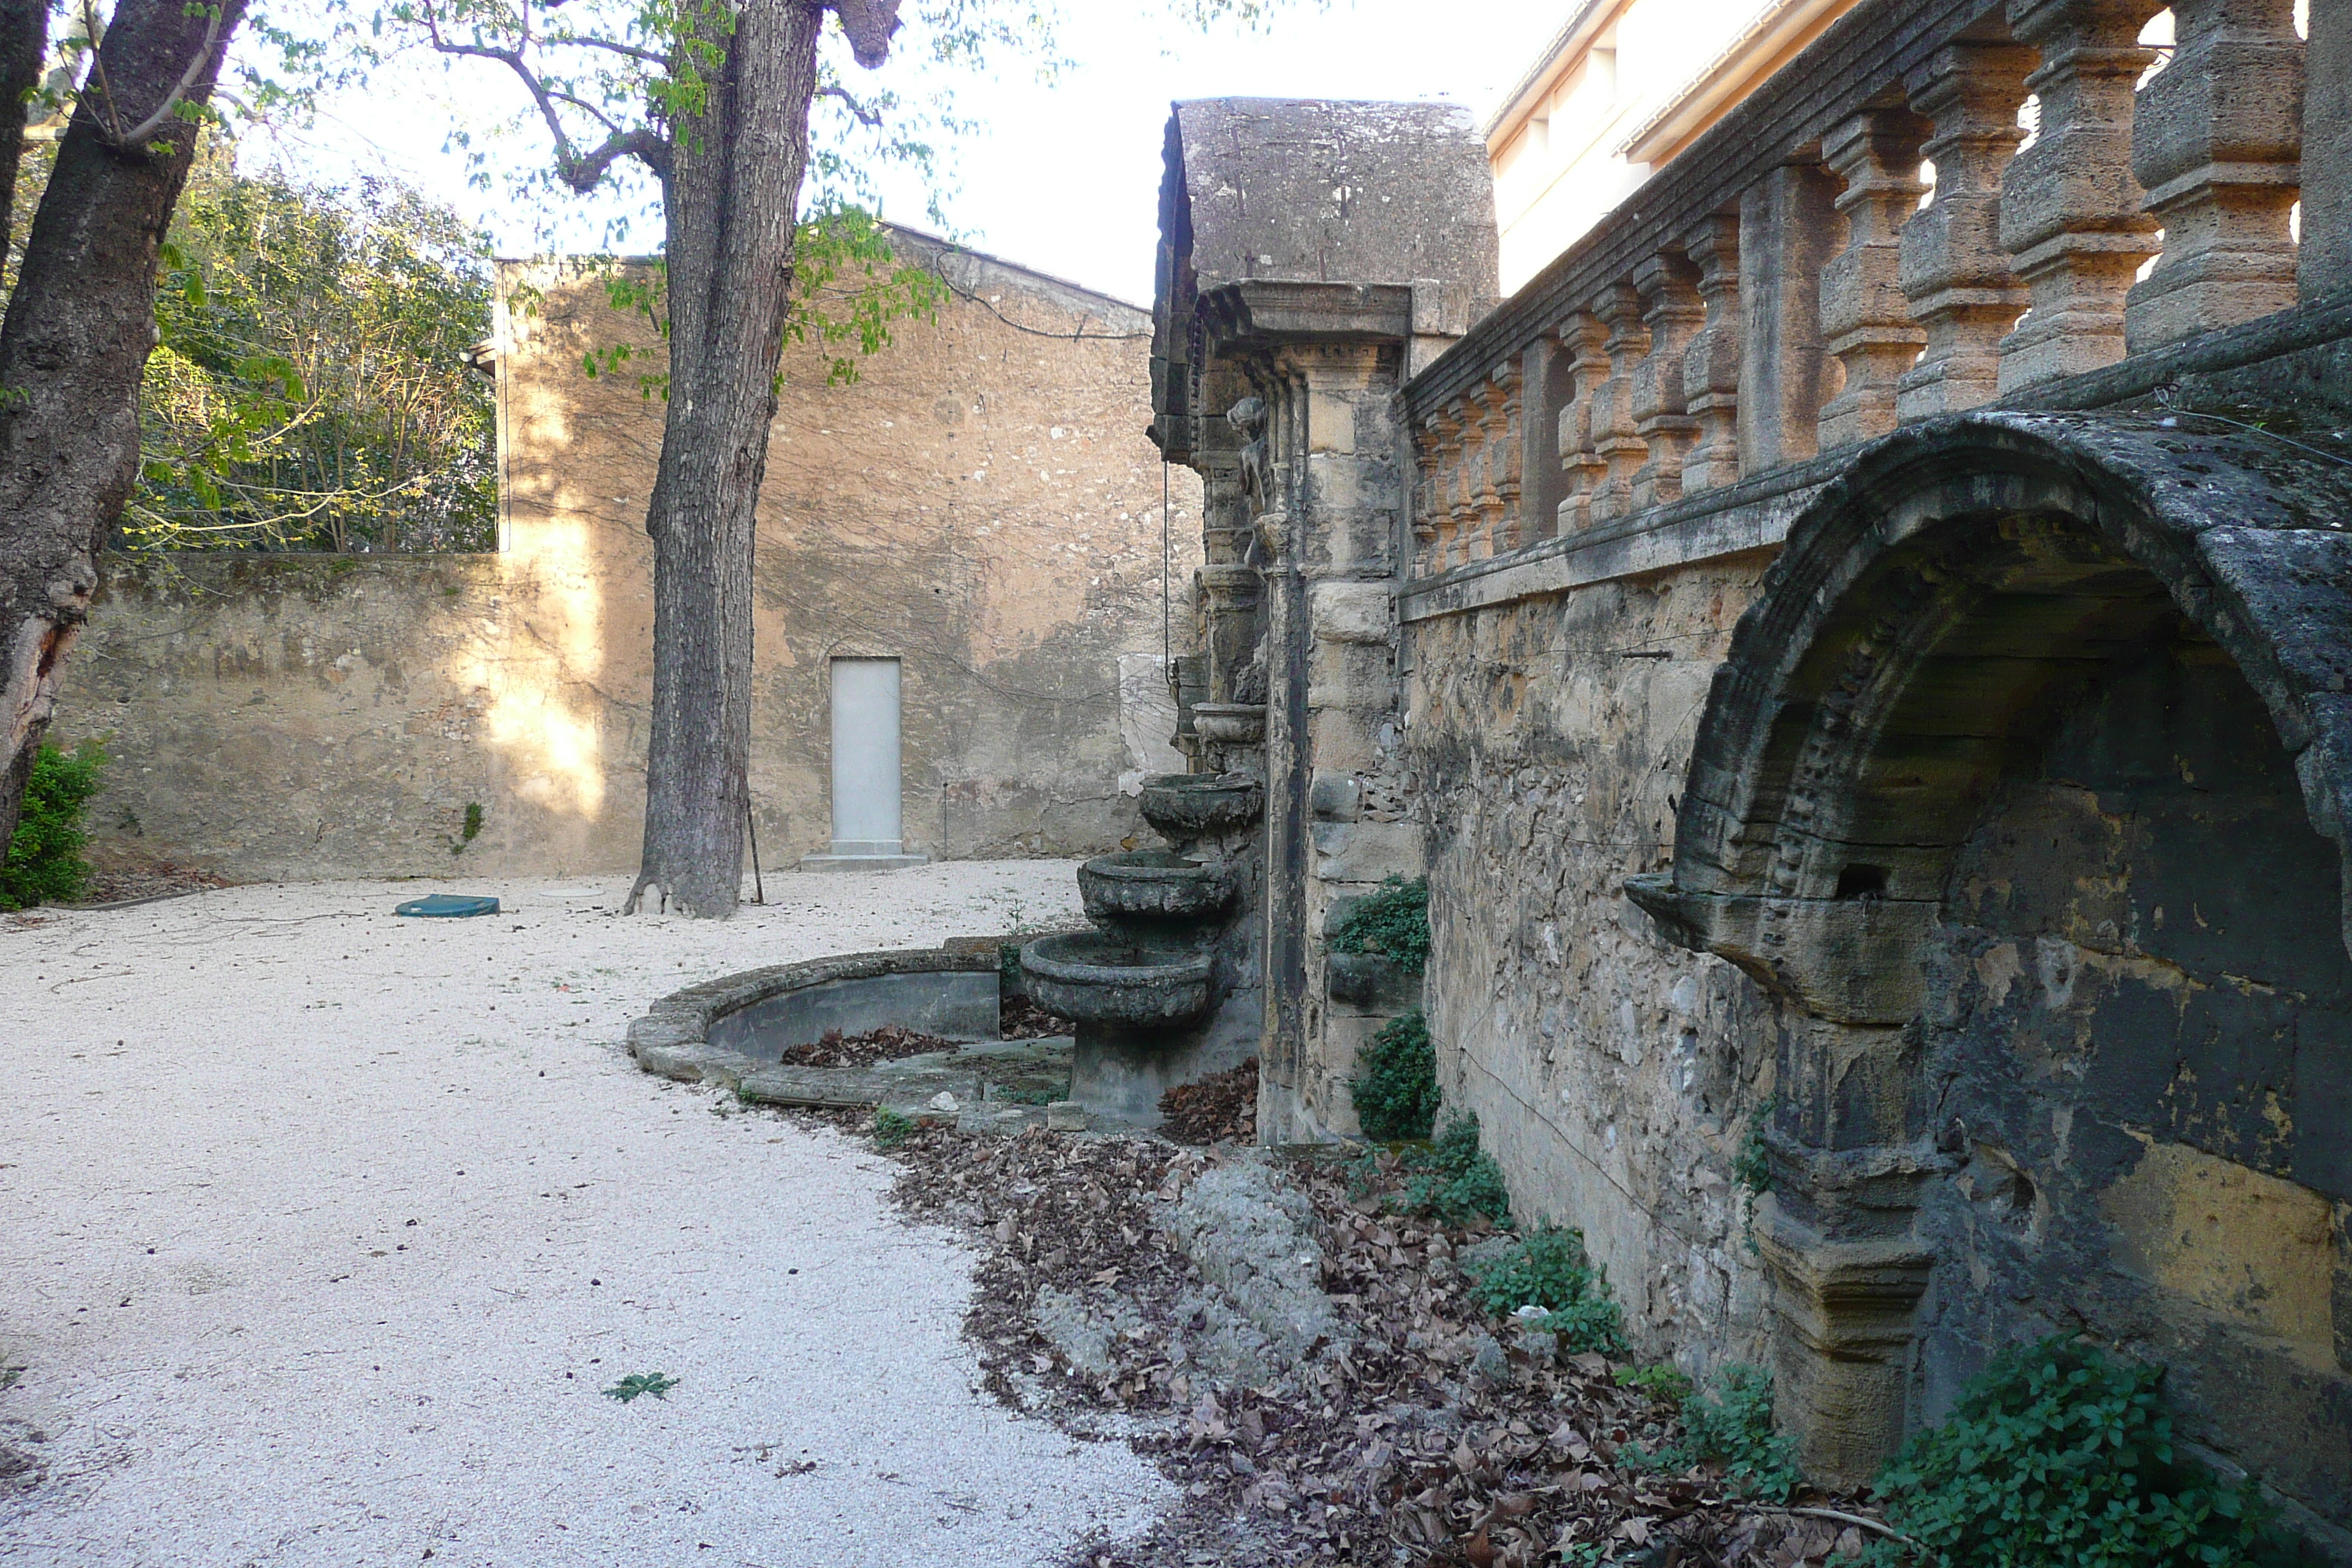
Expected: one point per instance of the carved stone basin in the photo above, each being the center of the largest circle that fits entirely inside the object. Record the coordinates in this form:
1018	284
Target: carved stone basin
1184	805
1096	978
1230	724
1154	885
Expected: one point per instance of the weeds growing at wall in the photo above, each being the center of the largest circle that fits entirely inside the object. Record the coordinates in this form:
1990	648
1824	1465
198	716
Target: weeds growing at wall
1549	1269
1453	1181
44	863
1664	1382
891	1129
2061	1454
1392	923
1730	1425
1395	1086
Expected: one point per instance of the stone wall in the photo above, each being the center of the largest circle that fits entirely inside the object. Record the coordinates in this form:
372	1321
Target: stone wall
1614	1076
983	504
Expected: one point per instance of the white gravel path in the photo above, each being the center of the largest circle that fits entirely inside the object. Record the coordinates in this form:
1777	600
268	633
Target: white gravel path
320	1230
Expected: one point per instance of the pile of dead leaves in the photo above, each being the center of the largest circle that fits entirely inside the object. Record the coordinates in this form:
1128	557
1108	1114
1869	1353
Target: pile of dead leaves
1221	1109
1022	1019
1431	1439
886	1043
151	879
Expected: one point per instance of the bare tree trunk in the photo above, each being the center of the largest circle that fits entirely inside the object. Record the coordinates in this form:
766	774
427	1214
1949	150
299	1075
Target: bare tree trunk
75	346
24	45
731	206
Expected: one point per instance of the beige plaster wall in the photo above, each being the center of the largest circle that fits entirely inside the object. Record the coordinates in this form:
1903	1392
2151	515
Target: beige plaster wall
982	504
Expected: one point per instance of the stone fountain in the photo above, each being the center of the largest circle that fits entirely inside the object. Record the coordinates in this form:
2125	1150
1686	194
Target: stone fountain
1167	988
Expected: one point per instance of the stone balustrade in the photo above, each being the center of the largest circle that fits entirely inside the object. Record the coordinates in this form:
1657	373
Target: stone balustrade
1872	238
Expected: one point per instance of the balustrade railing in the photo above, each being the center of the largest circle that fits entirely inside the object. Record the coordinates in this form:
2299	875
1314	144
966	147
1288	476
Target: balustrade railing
1791	284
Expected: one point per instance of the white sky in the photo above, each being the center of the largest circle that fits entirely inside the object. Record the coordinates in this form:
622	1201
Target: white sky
1064	177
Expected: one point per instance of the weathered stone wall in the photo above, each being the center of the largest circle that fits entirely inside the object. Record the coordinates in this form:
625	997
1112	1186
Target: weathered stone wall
983	504
2139	1013
1614	1076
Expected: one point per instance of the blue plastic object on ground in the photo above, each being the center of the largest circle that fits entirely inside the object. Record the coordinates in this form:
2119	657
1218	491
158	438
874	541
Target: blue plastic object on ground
449	906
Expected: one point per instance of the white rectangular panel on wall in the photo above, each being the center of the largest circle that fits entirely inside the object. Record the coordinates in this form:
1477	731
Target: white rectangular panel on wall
865	806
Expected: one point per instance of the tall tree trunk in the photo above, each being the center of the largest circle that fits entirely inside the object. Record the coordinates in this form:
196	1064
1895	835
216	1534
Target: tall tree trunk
731	206
74	347
24	47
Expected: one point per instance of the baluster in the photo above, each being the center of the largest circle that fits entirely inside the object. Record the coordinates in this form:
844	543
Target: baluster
1789	228
1583	337
1426	512
2323	263
1503	391
1668	285
1613	435
1954	272
2070	210
1468	439
1711	363
1448	512
1864	317
2217	140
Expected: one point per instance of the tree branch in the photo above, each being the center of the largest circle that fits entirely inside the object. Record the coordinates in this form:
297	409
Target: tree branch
580	170
869	118
649	55
145	130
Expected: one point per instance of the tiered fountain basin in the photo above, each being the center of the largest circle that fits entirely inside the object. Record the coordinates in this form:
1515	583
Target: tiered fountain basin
1189	805
1103	977
1154	885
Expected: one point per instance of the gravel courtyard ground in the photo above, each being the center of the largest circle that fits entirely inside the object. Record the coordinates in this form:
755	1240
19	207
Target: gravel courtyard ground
320	1231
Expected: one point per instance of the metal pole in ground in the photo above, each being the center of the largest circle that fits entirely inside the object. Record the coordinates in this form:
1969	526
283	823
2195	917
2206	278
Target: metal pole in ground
751	826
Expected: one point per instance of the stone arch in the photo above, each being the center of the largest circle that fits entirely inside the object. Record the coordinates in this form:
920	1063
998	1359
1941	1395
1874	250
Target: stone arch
1958	596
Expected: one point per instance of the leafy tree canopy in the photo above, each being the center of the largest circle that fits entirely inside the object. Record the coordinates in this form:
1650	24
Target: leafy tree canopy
311	388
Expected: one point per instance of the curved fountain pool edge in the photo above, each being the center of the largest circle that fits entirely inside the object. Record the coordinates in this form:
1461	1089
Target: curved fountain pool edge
672	1039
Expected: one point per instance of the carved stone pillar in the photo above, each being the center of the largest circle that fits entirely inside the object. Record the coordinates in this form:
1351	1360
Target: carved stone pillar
1583	337
2217	140
2324	264
2070	210
1475	511
1671	310
1446	505
1711	363
1954	272
1547	386
1789	229
1425	511
1504	458
1864	317
1614	437
1846	1312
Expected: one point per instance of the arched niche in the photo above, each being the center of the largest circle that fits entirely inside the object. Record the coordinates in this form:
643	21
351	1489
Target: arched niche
2022	792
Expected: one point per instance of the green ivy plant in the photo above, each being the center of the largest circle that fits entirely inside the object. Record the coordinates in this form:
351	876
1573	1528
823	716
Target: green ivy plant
1730	1425
1392	923
1549	1270
891	1129
44	863
1453	1181
1395	1086
2061	1454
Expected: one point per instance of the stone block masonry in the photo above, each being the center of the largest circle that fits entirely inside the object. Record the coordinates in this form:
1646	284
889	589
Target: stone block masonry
980	505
